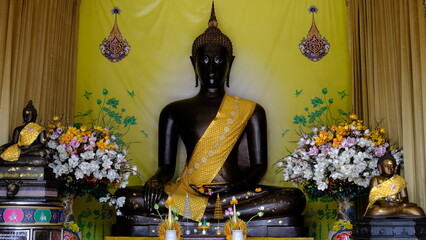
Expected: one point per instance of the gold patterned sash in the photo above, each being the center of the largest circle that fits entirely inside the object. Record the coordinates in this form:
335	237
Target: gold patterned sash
388	188
26	137
210	153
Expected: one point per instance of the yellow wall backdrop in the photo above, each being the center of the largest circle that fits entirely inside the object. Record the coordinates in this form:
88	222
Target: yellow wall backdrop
268	68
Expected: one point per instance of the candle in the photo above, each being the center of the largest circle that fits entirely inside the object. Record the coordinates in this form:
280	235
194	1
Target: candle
204	221
170	216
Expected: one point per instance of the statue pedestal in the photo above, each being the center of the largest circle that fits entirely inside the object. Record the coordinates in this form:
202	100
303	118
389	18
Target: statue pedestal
31	220
30	205
390	228
140	226
30	183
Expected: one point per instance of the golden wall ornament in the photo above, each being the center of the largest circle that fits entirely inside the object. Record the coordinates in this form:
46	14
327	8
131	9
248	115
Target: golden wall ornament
314	46
115	48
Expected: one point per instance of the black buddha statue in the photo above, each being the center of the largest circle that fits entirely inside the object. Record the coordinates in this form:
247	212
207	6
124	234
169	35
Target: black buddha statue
24	171
28	144
226	145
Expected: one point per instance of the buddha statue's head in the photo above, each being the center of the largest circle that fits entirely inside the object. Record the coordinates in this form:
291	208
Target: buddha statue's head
386	165
29	113
212	56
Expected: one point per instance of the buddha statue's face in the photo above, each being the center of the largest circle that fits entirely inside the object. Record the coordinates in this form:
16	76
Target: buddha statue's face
212	65
387	167
29	116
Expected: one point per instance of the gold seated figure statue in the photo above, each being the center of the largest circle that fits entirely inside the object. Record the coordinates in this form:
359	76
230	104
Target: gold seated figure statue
28	145
388	192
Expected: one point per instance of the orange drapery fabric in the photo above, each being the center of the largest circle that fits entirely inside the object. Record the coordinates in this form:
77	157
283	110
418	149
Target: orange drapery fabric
389	77
37	59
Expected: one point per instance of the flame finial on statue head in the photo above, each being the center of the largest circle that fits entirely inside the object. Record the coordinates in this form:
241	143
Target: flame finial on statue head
212	36
212	20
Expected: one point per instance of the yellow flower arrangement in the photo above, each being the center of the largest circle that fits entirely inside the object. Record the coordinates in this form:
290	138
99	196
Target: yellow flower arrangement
234	222
171	222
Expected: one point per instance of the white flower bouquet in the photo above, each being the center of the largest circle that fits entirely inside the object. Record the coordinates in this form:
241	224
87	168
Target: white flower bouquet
338	161
89	162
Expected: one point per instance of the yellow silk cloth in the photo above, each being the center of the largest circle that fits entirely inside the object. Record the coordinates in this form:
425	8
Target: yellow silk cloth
388	188
26	137
210	153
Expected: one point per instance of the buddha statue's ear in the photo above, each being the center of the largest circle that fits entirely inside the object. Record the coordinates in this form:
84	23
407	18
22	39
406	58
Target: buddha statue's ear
193	65
379	167
231	60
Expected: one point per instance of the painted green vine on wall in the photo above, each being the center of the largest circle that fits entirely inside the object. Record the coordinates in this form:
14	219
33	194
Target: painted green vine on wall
109	114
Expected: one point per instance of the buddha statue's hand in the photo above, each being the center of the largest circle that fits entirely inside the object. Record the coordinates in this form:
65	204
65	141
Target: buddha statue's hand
153	190
24	147
210	189
393	200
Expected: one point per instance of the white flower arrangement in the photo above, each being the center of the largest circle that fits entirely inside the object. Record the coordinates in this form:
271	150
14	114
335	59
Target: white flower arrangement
89	162
337	162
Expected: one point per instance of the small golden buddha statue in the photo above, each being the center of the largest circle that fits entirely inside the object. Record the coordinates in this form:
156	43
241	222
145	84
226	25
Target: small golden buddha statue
388	192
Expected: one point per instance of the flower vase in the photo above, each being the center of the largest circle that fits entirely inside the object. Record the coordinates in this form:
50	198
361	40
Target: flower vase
342	228
71	230
237	235
171	235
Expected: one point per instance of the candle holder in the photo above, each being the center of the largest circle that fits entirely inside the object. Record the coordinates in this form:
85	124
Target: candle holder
204	225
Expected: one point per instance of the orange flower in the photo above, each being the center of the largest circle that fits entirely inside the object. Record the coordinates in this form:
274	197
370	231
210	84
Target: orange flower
86	134
74	131
342	130
353	116
169	201
97	128
66	138
258	189
359	126
233	200
337	140
381	130
323	137
101	145
83	128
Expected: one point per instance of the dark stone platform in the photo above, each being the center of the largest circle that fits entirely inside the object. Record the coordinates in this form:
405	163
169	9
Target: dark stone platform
140	226
26	161
28	183
28	179
401	228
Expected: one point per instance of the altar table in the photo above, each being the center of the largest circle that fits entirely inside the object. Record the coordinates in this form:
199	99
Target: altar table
206	238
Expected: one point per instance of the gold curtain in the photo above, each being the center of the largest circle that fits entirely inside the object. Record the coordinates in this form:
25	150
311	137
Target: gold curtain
37	58
387	41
